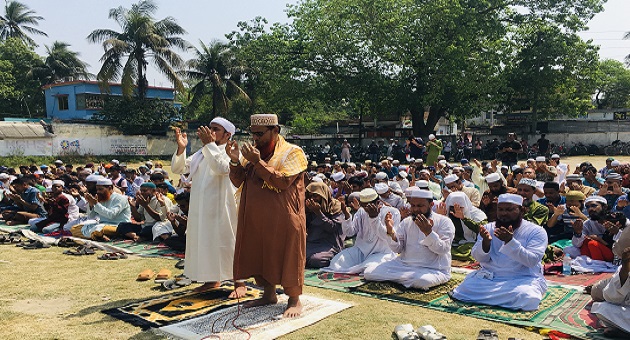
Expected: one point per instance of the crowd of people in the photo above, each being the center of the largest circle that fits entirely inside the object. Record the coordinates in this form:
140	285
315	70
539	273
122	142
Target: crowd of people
261	210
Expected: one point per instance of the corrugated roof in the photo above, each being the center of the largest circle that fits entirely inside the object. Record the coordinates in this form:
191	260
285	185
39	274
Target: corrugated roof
21	130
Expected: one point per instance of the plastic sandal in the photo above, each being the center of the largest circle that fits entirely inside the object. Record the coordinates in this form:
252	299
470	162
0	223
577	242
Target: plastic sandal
67	243
405	332
487	334
111	256
179	264
162	275
145	275
82	250
428	332
37	245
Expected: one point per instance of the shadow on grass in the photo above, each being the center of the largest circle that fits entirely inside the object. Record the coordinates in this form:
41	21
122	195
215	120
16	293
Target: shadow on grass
99	308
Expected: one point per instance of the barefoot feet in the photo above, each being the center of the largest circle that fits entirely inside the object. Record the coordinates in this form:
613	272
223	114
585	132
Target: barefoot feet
294	308
269	298
239	291
207	286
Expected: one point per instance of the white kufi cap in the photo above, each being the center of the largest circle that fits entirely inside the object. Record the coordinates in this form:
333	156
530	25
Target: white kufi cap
493	177
338	176
450	179
227	125
381	188
368	195
511	198
104	181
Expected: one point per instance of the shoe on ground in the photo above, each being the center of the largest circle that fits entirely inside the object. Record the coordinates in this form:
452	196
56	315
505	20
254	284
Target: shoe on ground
428	332
405	332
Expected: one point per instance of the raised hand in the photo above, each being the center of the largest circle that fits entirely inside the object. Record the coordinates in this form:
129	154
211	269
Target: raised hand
504	234
313	206
578	226
622	203
372	210
559	210
160	198
441	208
91	199
485	200
458	211
141	200
485	234
603	189
231	149
170	216
181	138
404	212
424	224
251	153
389	222
344	208
617	189
206	135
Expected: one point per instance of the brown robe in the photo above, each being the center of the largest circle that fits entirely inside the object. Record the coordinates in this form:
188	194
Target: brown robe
271	233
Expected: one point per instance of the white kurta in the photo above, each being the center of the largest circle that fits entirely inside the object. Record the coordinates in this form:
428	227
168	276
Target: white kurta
615	311
212	215
424	261
511	275
371	246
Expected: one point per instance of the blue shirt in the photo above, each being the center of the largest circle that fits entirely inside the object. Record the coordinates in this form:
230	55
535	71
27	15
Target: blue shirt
30	196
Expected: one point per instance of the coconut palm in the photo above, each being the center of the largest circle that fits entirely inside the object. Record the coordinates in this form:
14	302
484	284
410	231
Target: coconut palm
17	21
141	40
61	63
216	72
627	37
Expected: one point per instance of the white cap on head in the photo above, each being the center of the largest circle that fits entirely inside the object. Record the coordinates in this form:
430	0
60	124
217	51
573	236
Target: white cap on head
367	195
528	181
4	176
450	179
58	182
381	176
422	183
420	194
402	174
338	176
493	177
596	198
104	181
148	163
615	163
395	161
425	171
93	178
59	161
350	164
541	159
38	172
87	171
316	179
511	198
431	137
395	187
614	176
115	161
381	188
442	162
514	167
226	124
268	119
555	156
531	160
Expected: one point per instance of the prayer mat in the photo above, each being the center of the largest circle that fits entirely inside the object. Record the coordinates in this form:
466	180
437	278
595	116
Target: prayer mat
178	306
397	292
334	281
264	322
582	279
146	249
13	228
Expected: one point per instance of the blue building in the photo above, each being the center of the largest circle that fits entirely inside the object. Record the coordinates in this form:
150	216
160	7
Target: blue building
80	99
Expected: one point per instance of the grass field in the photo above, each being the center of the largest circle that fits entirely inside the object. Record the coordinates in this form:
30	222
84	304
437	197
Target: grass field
48	295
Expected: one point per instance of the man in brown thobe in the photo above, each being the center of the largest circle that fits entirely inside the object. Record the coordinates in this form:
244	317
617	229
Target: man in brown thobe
271	233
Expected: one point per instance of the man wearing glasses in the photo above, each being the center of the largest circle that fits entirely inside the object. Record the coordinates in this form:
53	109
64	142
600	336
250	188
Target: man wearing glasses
271	233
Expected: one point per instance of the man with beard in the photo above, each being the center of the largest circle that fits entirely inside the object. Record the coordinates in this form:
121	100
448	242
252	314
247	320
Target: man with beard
423	241
104	212
467	221
489	199
270	178
510	253
369	224
612	304
560	224
61	208
387	196
149	207
592	238
425	175
574	182
452	183
534	211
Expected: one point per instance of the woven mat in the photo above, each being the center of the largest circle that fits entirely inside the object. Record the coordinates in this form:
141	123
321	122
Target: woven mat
396	292
261	323
582	279
334	281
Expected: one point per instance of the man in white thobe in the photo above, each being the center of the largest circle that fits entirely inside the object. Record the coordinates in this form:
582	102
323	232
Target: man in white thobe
613	308
510	252
371	246
423	241
212	215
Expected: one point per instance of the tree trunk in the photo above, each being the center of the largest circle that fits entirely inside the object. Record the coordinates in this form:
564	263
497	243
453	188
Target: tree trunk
422	129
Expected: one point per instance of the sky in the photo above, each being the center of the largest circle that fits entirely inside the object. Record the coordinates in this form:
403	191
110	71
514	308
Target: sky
72	21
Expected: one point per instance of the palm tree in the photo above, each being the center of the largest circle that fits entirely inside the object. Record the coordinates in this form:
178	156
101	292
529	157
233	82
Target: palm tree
141	40
627	37
62	63
17	21
216	71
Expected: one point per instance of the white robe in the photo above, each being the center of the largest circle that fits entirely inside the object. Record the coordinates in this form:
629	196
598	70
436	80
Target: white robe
615	311
424	261
371	246
511	275
212	215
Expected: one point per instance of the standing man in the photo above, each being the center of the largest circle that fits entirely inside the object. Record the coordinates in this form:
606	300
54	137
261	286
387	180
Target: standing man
271	234
211	231
509	150
434	148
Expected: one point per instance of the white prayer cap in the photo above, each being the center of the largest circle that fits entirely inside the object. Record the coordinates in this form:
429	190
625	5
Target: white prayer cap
511	198
58	182
528	181
595	198
531	160
317	179
420	194
615	163
49	189
442	162
541	159
493	177
504	167
104	181
431	137
38	172
87	171
352	165
268	119
422	184
395	187
555	156
115	161
59	161
321	176
93	178
425	171
226	124
450	179
614	176
337	163
402	174
381	188
408	191
368	195
4	176
459	168
402	168
148	163
381	176
419	160
395	161
514	167
338	176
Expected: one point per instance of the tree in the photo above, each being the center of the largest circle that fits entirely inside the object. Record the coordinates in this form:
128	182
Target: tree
141	40
217	73
613	85
62	63
17	21
25	96
135	116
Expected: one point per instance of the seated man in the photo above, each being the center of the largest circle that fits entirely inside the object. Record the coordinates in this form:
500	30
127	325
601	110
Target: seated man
510	252
560	224
371	246
104	212
589	237
467	221
27	203
424	243
612	298
173	231
452	183
496	186
324	235
387	196
149	207
534	212
61	208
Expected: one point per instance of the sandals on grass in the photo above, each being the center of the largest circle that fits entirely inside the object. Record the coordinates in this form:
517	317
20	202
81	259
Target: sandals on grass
113	256
81	250
67	243
37	245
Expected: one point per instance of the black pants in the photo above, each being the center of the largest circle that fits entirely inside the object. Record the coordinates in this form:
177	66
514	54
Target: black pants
141	230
